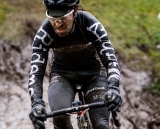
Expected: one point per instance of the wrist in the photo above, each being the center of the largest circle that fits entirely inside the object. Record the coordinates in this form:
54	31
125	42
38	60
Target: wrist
36	102
113	84
110	91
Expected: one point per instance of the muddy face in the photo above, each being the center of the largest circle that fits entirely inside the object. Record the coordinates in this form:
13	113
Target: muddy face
62	26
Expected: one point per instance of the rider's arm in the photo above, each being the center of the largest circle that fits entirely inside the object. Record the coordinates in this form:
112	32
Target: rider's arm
40	49
105	50
103	46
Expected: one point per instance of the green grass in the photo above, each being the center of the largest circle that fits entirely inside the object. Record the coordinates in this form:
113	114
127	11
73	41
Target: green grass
131	22
134	30
132	26
17	16
4	15
4	12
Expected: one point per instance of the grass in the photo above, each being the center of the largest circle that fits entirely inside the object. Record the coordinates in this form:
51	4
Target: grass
16	15
132	26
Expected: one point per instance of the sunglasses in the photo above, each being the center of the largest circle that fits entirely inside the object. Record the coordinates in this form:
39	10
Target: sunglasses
62	18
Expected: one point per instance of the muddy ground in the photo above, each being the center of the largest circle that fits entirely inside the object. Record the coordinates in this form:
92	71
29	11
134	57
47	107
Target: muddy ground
139	110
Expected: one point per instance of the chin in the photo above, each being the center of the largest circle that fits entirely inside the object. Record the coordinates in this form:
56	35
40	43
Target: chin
62	35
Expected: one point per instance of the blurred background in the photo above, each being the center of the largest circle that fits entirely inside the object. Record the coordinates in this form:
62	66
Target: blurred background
134	30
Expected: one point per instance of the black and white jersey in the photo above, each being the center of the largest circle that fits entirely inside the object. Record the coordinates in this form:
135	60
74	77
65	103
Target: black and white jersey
86	48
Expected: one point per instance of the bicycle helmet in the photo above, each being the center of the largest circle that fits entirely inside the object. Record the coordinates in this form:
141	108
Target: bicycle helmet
58	8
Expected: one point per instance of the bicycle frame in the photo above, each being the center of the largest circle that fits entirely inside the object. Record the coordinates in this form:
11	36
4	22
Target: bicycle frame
83	119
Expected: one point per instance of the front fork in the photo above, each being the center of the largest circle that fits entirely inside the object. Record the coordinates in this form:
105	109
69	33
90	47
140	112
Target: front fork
82	117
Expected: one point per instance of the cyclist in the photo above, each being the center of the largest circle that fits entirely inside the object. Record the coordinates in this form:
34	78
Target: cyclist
82	54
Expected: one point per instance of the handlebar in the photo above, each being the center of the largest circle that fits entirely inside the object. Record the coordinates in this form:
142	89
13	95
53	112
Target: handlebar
83	107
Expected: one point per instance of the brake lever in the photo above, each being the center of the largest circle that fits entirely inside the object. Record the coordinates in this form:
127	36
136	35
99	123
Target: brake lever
116	119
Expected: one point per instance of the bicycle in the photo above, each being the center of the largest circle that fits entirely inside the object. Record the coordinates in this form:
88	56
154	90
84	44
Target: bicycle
81	109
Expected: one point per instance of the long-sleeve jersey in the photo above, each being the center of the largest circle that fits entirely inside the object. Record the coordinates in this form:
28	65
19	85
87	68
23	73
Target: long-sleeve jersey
87	47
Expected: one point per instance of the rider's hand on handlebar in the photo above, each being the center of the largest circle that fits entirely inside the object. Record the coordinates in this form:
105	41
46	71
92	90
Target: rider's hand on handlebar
113	100
36	116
